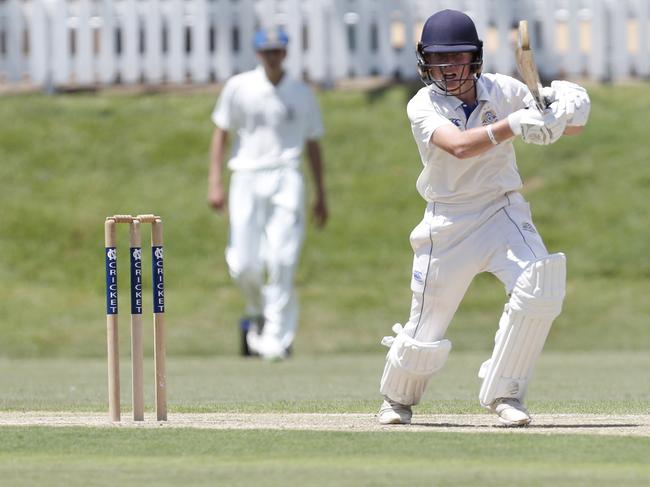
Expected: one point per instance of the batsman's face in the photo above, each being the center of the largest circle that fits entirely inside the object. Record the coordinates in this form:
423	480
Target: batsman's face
453	68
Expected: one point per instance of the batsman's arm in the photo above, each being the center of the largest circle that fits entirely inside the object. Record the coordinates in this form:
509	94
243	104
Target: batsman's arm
573	130
216	193
472	142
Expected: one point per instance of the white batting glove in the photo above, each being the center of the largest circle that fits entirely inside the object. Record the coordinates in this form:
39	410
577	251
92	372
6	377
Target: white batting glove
562	106
556	118
574	98
524	118
535	127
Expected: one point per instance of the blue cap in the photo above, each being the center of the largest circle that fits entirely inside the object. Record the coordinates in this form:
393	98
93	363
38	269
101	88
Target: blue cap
271	38
450	31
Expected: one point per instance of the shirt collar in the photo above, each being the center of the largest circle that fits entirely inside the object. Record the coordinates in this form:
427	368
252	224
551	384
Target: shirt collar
481	95
481	91
261	74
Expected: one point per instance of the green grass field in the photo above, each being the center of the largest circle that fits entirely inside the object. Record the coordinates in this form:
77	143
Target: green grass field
195	457
70	160
566	382
585	383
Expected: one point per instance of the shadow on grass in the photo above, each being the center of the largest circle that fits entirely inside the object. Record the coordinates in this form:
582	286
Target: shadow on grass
528	427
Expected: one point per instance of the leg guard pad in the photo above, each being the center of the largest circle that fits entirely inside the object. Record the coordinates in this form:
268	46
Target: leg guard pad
535	302
409	366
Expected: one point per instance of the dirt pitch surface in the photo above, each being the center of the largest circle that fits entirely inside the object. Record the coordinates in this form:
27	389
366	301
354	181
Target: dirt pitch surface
545	424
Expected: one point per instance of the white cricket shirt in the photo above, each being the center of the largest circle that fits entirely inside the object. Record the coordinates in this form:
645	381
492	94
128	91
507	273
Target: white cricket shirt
447	179
270	123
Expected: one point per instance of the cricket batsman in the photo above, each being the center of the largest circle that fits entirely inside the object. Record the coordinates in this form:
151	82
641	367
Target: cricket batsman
464	123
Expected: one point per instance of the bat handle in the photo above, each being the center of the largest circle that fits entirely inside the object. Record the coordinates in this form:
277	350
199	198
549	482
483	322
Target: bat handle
524	38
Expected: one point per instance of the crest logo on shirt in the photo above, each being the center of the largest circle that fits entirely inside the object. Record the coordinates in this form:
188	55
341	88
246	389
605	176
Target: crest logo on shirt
489	117
456	121
417	275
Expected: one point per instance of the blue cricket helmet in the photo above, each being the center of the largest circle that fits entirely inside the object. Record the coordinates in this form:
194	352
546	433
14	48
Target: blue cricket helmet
450	31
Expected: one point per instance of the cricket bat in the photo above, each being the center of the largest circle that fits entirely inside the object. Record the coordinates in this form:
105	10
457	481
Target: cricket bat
527	67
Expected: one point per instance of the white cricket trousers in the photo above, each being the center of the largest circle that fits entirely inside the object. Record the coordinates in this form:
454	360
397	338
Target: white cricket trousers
266	209
454	243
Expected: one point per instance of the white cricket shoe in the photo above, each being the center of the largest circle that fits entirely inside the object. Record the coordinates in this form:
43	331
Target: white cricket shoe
511	412
265	347
392	412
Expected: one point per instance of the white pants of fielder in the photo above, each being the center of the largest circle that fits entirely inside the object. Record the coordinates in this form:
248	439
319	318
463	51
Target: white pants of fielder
266	209
452	244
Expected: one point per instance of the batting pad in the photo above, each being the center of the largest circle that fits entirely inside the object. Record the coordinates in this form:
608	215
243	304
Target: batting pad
535	302
409	366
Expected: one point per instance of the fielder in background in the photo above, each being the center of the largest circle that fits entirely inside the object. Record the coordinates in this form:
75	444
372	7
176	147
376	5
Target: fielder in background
475	220
271	117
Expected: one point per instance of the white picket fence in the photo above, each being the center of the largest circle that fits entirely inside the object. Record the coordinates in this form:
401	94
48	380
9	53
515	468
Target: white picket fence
54	43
